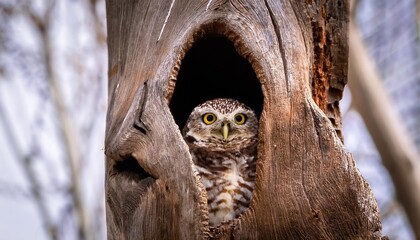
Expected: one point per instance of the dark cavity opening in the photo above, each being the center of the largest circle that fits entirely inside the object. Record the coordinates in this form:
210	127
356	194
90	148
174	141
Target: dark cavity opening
129	167
213	69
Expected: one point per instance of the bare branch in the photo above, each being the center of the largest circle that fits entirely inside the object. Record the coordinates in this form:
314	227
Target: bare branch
66	129
35	186
418	15
99	29
43	22
397	151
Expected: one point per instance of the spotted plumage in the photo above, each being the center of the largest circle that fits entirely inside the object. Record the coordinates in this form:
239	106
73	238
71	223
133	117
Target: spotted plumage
222	137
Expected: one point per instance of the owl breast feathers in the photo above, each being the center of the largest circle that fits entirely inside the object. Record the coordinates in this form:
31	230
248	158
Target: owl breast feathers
222	135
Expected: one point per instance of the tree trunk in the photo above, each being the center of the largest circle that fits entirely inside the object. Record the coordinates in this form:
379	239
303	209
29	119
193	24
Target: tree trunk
285	59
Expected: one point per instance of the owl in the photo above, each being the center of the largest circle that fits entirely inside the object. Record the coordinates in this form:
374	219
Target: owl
222	135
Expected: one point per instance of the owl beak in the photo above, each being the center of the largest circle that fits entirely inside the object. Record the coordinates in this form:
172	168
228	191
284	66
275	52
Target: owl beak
225	130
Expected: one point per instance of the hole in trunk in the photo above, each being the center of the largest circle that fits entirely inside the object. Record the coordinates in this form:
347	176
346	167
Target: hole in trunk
212	68
126	185
130	168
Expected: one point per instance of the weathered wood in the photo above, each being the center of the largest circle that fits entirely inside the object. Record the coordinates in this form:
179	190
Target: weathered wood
307	186
329	67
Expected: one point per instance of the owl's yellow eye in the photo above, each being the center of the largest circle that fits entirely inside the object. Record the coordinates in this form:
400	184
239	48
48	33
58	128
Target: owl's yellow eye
240	118
209	118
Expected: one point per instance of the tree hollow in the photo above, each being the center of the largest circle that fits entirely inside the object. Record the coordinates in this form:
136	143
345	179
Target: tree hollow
212	68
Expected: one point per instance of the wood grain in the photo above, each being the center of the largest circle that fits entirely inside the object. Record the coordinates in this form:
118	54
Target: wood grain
307	186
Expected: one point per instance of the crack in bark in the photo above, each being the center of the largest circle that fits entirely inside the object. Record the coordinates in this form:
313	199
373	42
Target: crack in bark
280	42
139	124
303	175
166	20
302	30
208	5
317	129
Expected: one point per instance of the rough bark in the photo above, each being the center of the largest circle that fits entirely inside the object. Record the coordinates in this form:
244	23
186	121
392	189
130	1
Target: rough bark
307	186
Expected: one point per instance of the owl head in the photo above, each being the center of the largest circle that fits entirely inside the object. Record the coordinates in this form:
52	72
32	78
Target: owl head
221	122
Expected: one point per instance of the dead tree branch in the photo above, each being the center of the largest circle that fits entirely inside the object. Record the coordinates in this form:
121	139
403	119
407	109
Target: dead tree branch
66	128
397	151
35	187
